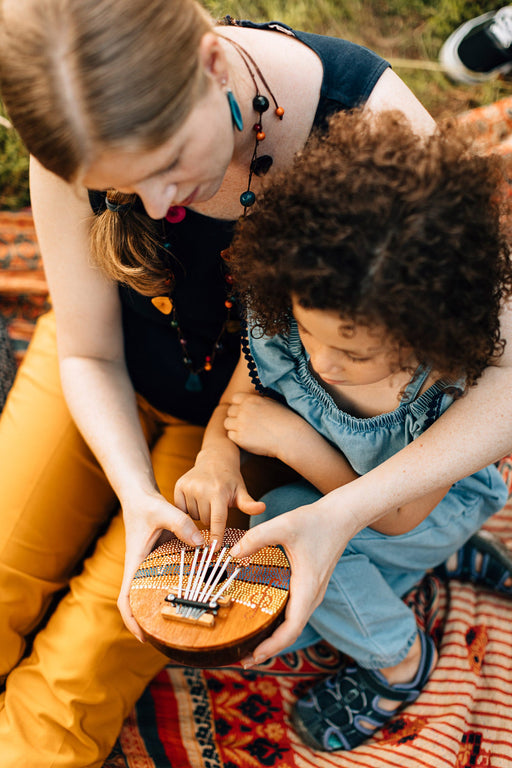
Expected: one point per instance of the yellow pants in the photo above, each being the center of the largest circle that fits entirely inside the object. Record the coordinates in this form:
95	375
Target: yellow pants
66	696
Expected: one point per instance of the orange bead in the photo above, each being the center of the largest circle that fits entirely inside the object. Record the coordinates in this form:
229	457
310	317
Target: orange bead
260	135
228	304
280	112
163	304
207	366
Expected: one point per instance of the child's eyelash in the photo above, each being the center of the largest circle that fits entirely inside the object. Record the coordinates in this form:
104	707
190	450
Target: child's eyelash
352	359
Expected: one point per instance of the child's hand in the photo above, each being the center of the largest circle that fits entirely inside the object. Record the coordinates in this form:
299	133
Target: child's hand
261	425
210	488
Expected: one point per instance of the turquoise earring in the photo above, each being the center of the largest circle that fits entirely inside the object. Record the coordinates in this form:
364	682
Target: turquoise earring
236	115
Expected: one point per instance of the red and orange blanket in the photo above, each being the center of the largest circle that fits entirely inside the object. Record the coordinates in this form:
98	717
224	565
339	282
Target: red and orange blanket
229	718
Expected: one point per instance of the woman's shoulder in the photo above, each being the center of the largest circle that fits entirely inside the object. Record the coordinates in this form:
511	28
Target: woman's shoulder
350	71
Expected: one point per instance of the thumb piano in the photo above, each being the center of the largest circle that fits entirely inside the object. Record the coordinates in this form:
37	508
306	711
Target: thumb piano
201	607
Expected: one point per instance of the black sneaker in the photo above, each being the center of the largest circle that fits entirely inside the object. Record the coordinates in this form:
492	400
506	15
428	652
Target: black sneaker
480	49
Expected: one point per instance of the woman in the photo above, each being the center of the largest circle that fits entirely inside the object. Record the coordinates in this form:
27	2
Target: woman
150	98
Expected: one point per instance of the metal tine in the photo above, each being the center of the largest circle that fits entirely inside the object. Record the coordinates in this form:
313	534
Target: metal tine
197	577
217	579
227	583
190	575
182	569
218	575
196	595
204	568
197	612
197	582
212	575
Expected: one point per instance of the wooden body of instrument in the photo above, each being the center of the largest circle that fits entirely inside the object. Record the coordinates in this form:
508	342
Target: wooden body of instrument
168	599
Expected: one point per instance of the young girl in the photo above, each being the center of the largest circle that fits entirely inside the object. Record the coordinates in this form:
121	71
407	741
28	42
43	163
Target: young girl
372	305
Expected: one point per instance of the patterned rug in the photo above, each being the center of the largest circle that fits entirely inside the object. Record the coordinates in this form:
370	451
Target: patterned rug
23	290
229	718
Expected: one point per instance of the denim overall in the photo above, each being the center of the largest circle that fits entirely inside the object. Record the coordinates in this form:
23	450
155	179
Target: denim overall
362	613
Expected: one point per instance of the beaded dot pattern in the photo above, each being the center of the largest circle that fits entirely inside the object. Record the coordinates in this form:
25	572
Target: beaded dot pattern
262	580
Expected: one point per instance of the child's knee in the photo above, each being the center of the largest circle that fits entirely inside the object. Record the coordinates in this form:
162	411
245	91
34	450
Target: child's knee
286	498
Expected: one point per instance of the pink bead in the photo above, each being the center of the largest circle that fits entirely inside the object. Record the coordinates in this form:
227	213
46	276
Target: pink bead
175	214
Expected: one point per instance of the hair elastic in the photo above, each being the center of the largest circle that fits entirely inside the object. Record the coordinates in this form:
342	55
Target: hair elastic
117	207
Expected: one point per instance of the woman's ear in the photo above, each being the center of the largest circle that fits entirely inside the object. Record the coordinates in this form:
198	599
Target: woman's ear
213	58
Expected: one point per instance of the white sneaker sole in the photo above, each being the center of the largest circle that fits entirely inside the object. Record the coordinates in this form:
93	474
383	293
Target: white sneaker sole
453	66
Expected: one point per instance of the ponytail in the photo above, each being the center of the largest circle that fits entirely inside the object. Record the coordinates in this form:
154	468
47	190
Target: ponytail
126	245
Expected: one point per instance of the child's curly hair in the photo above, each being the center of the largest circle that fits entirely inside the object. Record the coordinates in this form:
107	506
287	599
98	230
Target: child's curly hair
390	229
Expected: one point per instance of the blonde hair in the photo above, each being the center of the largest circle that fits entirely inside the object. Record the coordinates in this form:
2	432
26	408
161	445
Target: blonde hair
78	76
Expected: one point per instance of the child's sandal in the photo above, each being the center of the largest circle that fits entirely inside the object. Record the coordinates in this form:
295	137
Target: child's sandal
483	560
341	712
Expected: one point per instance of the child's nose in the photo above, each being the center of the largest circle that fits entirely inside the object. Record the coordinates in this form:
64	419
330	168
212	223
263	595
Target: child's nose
323	360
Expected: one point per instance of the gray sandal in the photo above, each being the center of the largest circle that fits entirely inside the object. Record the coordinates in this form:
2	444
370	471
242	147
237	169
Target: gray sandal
341	712
483	560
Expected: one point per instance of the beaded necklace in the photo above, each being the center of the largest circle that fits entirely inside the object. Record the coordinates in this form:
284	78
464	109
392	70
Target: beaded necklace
230	325
259	166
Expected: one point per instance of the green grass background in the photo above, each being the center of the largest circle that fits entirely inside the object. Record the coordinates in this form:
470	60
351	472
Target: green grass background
409	33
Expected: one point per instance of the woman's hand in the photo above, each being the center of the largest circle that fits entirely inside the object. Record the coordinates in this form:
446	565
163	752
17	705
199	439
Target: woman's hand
314	538
214	485
145	519
262	425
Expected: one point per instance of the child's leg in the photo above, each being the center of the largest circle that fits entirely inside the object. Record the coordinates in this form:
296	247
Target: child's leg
399	561
387	635
363	615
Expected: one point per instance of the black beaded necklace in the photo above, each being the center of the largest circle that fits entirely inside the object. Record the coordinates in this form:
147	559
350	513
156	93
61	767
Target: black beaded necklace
259	166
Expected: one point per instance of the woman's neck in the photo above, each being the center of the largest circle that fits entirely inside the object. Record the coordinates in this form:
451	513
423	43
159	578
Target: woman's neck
274	54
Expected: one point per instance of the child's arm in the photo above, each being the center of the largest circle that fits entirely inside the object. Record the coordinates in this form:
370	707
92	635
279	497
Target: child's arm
263	426
215	482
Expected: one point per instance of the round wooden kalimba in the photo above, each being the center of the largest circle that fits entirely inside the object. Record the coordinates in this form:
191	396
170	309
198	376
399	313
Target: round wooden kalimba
203	608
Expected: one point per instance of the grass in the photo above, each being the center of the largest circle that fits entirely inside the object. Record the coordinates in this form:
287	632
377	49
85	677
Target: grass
14	192
409	33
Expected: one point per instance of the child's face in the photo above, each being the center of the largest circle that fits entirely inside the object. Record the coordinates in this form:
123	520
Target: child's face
344	354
